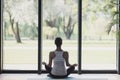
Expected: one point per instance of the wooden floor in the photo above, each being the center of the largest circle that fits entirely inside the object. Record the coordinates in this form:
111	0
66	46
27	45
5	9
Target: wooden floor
71	77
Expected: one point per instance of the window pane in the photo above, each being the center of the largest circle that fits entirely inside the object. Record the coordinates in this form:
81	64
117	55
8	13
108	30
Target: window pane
20	34
60	19
98	35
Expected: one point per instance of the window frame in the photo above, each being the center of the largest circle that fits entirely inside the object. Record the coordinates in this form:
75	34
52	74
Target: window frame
39	71
118	40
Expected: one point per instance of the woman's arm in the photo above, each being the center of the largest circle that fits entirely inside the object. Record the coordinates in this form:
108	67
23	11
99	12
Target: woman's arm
51	56
66	56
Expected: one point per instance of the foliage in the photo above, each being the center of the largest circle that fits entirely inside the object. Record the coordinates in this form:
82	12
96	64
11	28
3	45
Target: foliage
61	16
22	12
112	8
99	17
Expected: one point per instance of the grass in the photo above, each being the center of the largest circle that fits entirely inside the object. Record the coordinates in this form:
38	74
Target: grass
93	52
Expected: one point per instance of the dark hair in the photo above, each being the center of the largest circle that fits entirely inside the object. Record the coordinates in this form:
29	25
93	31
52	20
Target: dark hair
58	41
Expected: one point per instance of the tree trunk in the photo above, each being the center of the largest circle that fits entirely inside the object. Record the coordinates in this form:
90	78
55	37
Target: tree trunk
68	30
68	35
18	39
15	32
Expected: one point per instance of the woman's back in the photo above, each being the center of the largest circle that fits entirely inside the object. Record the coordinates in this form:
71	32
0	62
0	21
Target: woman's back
59	58
59	64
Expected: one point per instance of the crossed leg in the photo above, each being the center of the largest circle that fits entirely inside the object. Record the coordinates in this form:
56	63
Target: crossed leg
69	71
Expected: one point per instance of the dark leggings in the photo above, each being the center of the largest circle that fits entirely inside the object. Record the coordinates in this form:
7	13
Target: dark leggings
69	70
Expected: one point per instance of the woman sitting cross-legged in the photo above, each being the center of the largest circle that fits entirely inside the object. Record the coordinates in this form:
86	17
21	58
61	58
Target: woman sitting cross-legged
59	58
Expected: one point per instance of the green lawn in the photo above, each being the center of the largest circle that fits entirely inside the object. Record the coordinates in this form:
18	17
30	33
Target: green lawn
93	52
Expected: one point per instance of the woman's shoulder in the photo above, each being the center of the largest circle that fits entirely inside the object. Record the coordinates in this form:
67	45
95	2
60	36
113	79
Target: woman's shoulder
65	53
52	52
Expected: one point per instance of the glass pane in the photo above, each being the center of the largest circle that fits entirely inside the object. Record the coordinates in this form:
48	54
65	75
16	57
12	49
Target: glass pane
60	19
20	34
99	34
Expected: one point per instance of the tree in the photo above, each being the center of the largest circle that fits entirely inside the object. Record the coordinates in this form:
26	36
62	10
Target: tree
68	29
21	12
56	15
70	17
93	10
111	7
50	17
14	24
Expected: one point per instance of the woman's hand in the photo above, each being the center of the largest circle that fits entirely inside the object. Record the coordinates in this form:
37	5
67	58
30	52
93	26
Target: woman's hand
44	63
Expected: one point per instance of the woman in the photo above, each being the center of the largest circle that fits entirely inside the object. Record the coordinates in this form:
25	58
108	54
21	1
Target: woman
59	58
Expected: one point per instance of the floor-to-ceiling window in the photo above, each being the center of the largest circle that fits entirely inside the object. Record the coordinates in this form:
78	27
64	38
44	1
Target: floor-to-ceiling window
20	34
99	30
60	19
